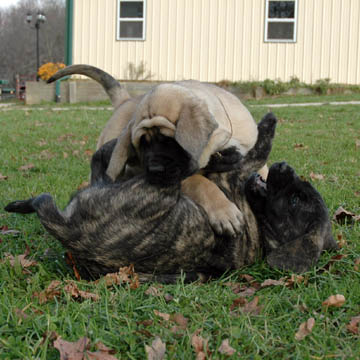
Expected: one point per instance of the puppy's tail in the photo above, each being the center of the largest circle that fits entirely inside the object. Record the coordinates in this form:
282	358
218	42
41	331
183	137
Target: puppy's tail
115	91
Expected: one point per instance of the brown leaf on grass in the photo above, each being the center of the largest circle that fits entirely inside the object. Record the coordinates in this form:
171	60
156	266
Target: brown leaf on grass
341	241
52	291
6	231
83	185
103	353
356	264
251	280
244	292
20	259
200	345
72	289
314	176
357	193
305	329
300	147
125	275
226	349
164	316
42	142
153	291
341	216
295	279
333	260
76	153
357	144
156	351
337	300
21	314
46	155
353	325
271	282
79	350
168	297
180	320
3	177
71	262
65	137
65	155
246	307
88	153
26	167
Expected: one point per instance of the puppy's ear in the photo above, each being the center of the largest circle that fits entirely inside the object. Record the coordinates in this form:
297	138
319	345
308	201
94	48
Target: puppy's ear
120	154
297	255
194	129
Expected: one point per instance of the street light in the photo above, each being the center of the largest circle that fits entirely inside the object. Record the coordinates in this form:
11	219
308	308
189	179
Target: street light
40	19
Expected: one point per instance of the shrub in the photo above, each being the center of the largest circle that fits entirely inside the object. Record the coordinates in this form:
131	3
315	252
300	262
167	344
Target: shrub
47	70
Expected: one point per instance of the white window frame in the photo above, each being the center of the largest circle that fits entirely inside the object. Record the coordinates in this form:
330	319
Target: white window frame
119	19
280	20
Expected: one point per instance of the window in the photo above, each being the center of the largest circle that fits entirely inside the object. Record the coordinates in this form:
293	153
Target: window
131	20
280	21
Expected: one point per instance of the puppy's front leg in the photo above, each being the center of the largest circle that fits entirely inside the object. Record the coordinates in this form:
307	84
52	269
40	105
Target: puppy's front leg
224	216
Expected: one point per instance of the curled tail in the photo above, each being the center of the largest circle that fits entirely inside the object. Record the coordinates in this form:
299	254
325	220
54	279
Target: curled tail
115	91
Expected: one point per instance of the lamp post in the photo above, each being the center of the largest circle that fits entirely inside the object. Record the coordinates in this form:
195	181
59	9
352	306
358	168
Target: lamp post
40	19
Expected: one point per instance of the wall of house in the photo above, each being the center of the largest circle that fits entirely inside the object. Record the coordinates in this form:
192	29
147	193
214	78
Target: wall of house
214	40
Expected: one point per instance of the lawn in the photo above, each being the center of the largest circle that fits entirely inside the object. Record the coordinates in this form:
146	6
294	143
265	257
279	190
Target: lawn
49	151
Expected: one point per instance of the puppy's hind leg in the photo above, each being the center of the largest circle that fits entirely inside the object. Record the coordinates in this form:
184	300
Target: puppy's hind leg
46	209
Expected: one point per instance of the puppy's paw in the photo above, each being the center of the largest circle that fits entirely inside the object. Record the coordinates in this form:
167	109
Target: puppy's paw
226	219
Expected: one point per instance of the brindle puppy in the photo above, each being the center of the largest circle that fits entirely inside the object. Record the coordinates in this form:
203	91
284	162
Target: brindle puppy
162	232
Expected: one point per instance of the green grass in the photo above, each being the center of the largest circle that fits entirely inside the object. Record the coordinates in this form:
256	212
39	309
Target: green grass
328	134
303	99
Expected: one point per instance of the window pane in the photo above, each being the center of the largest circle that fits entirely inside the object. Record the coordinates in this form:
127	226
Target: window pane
282	9
131	29
280	31
131	9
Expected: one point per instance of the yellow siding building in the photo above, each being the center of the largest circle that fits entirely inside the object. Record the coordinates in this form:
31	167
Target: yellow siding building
214	40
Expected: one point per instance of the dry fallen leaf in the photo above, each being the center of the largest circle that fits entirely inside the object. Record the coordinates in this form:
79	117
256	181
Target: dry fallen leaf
72	289
3	177
53	290
305	329
357	143
300	147
246	307
162	315
353	325
341	241
125	275
83	185
26	167
71	262
271	282
21	314
314	176
42	142
6	231
356	264
79	350
337	300
20	259
153	291
180	320
226	349
200	346
341	216
156	351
